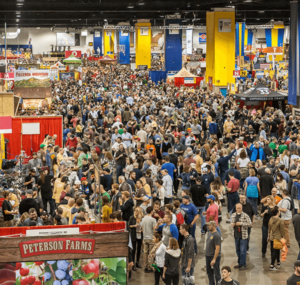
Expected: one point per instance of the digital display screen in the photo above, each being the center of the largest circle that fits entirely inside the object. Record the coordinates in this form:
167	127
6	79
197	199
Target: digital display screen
65	39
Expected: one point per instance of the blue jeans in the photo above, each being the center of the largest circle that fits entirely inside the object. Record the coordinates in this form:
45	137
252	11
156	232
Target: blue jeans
241	250
219	231
190	274
222	177
253	202
264	242
119	171
233	199
203	220
213	274
192	231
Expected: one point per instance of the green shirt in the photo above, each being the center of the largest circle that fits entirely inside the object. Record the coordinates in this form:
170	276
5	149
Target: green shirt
281	148
104	194
273	146
79	162
120	131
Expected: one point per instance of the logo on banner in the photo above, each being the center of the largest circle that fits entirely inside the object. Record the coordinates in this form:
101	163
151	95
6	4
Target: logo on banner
6	75
202	37
74	53
57	245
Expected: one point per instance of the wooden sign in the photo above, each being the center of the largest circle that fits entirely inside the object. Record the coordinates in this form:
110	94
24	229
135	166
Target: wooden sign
100	245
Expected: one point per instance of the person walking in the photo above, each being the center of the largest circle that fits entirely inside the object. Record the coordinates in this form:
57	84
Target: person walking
157	254
266	213
276	232
171	266
252	189
285	207
295	278
199	194
240	222
188	256
8	212
213	254
296	223
148	224
167	228
136	236
192	217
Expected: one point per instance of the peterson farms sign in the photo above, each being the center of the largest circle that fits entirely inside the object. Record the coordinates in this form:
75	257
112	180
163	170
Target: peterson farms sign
57	245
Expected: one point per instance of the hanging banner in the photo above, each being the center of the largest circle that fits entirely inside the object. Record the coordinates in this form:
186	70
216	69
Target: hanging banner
34	103
124	48
189	41
202	37
273	50
144	31
32	78
66	75
76	53
174	31
32	84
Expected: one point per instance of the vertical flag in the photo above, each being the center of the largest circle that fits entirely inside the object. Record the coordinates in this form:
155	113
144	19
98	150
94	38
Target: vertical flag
240	38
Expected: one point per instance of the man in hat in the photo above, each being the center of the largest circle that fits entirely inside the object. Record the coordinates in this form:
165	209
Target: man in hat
87	189
37	199
41	154
192	213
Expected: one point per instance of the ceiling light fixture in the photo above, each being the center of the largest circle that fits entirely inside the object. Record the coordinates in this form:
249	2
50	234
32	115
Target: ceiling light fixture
247	1
19	4
17	20
162	16
18	16
130	6
184	20
257	19
261	12
177	13
141	3
188	4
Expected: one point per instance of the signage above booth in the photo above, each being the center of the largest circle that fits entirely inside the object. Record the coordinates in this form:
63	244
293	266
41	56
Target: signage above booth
76	53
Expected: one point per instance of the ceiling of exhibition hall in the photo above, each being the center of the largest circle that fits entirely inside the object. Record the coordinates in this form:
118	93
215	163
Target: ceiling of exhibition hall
96	13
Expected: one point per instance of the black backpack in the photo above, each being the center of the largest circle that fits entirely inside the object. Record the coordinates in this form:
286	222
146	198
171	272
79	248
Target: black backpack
291	203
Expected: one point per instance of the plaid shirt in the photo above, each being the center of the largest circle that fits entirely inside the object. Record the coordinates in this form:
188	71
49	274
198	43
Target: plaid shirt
203	153
246	223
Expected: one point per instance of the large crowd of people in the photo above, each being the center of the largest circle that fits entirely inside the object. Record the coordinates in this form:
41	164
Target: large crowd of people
169	160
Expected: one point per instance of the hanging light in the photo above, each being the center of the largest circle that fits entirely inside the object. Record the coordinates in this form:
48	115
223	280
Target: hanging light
141	2
130	6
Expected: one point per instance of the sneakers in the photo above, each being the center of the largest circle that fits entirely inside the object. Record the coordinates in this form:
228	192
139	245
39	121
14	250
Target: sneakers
228	215
228	222
138	266
243	268
263	255
278	265
148	270
273	268
237	266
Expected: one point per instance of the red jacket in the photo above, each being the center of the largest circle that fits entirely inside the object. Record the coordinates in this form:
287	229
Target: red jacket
72	143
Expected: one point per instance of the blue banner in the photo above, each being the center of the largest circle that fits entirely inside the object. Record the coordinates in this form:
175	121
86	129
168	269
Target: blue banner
98	43
124	48
173	46
66	75
202	37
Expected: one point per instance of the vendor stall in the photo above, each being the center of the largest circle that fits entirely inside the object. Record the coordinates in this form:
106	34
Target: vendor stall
107	60
183	77
72	62
260	96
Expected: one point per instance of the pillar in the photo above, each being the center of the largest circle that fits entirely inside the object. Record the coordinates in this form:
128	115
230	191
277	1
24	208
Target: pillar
124	47
109	43
173	46
294	57
143	44
98	42
220	49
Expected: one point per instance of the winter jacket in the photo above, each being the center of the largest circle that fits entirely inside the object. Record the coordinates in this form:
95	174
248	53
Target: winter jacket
127	209
186	182
223	162
276	228
255	151
295	191
172	259
188	246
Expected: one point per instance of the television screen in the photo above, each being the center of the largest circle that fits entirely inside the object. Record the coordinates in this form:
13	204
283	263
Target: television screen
65	39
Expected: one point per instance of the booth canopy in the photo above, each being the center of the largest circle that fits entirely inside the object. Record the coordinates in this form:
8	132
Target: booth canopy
184	73
72	60
107	59
56	65
260	93
184	77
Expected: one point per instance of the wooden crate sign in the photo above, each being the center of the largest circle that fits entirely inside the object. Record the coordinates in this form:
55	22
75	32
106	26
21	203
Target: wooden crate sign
57	245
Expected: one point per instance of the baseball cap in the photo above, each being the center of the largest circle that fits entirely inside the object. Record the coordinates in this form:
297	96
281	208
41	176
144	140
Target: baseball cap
42	145
186	197
211	197
81	209
83	179
30	192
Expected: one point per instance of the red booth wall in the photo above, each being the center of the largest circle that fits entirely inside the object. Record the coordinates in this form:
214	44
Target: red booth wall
48	125
178	81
